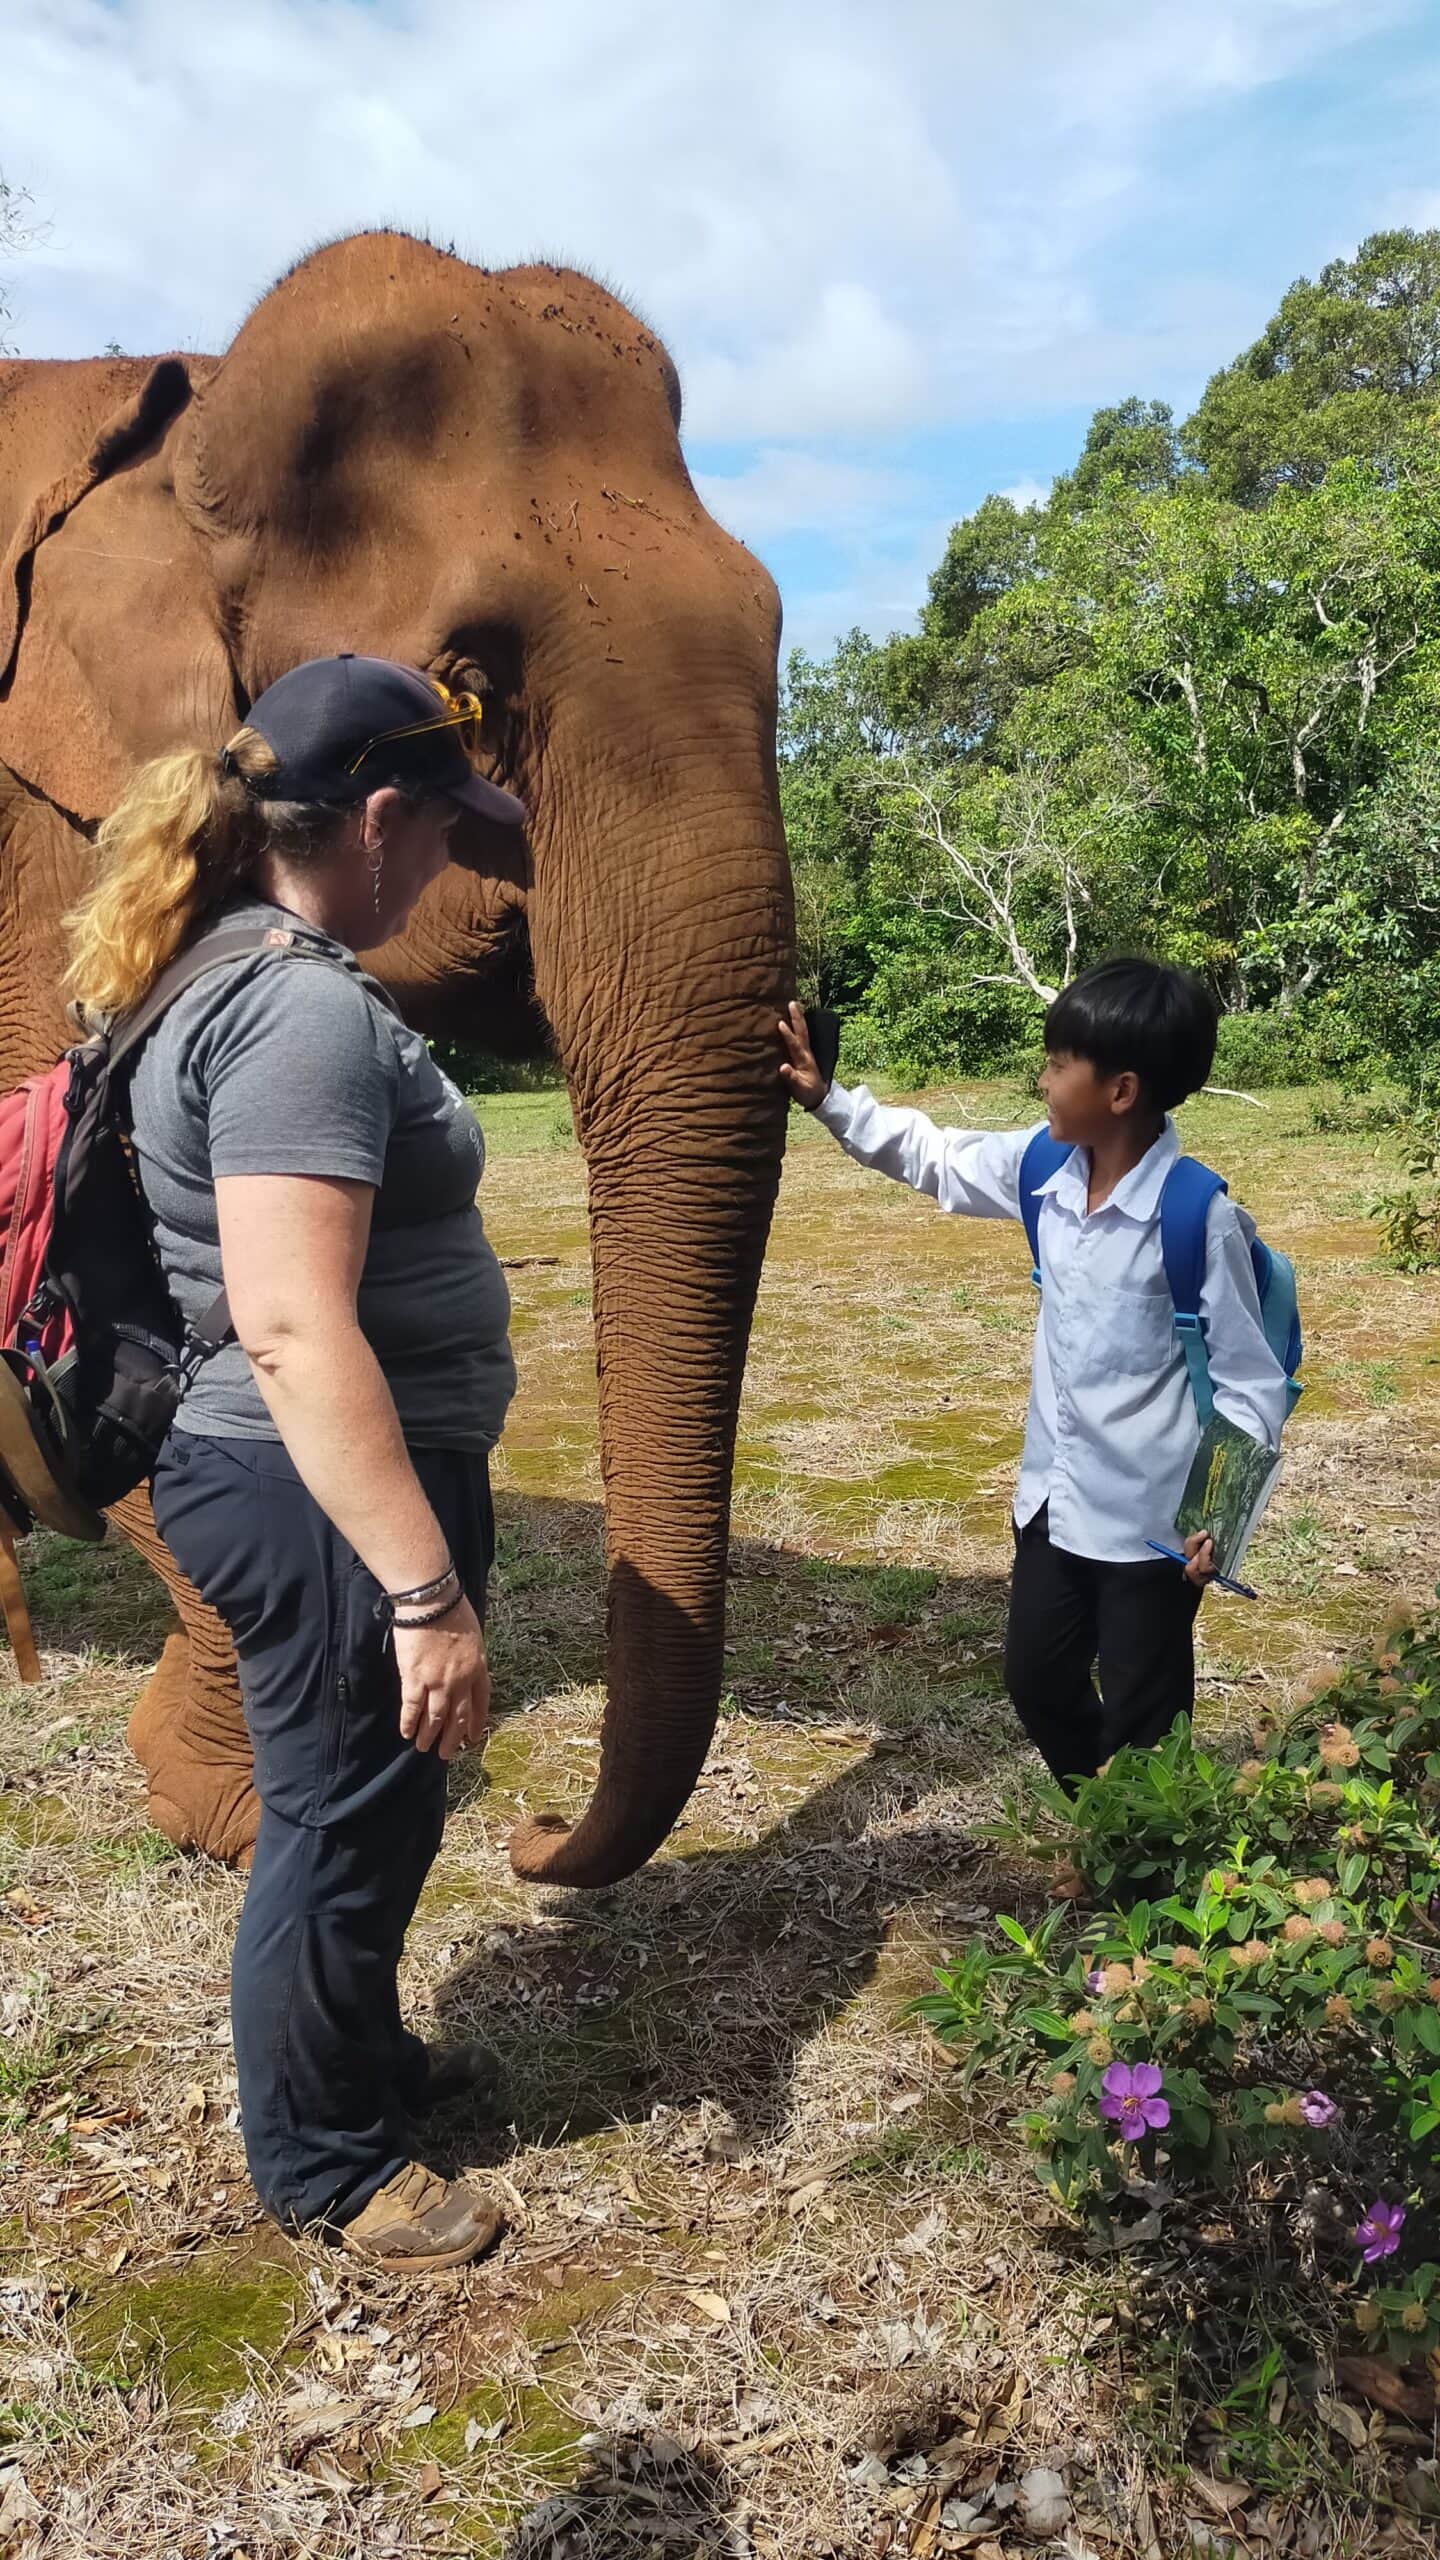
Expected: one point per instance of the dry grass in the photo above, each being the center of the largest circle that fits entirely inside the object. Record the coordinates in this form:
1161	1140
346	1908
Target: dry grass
764	2265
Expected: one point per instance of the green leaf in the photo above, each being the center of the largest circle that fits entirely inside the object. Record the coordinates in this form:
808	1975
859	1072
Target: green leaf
1047	2022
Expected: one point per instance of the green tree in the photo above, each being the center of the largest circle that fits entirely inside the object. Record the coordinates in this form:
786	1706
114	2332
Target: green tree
1136	442
986	555
1336	374
1196	703
1188	704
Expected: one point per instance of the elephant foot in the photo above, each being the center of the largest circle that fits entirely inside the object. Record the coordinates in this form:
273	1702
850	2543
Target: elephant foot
201	1793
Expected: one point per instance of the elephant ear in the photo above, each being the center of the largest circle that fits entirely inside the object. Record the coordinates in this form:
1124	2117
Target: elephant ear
108	646
135	423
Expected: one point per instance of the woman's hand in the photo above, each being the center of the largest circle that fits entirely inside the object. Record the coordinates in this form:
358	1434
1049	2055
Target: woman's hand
444	1683
799	1070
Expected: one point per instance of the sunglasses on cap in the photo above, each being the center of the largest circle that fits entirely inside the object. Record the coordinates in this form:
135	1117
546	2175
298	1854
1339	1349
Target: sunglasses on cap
464	713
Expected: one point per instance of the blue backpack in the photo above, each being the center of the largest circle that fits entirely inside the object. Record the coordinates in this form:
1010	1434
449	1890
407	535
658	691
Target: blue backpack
1184	1207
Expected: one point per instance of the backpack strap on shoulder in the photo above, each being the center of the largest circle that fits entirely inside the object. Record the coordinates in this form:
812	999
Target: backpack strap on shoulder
1184	1210
210	951
1043	1158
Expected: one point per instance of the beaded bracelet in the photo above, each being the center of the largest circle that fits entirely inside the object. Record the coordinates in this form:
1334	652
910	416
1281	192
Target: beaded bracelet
423	1590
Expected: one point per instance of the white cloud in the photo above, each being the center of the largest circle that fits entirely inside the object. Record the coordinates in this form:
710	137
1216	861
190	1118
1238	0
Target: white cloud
878	584
785	491
1026	493
849	369
850	230
834	233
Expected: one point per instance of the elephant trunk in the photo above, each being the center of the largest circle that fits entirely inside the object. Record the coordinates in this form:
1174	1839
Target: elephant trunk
662	990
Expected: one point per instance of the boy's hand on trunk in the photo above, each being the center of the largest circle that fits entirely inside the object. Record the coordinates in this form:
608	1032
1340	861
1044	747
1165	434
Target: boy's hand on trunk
798	1069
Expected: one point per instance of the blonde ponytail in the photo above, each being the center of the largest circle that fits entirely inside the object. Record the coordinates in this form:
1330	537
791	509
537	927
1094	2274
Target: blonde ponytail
183	834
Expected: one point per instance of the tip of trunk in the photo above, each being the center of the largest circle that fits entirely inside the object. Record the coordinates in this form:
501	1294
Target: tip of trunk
628	1818
587	1856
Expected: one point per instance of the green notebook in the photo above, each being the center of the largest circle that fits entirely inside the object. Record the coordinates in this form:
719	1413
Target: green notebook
1229	1484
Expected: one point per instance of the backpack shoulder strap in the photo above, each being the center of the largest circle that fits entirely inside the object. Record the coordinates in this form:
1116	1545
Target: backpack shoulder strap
1043	1157
211	951
1184	1209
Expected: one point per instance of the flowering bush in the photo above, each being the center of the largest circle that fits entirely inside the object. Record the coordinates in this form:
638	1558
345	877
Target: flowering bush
1254	2010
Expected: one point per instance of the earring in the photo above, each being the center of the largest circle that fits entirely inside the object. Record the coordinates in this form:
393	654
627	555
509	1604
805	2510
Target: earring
375	866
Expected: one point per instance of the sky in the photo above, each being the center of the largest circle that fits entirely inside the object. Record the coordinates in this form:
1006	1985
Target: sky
899	253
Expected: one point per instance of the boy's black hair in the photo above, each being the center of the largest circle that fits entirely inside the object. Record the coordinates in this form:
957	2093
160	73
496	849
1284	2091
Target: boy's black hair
1157	1021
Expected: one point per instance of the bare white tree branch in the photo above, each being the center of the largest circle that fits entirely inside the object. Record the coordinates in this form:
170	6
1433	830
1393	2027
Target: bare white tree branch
1031	837
19	229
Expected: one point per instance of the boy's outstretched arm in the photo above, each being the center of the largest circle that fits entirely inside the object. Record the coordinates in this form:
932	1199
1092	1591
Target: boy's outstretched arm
970	1173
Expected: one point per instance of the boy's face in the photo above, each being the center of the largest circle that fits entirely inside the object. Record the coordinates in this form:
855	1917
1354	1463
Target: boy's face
1085	1105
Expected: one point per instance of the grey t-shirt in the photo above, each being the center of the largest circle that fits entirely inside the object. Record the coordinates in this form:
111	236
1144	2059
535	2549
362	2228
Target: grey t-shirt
285	1063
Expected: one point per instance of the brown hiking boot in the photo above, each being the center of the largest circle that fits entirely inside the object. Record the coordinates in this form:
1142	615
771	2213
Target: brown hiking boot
417	2221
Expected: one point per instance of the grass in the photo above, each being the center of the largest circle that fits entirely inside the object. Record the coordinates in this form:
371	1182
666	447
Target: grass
756	2236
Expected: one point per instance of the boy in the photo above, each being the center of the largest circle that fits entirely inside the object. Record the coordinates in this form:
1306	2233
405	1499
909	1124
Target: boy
1112	1426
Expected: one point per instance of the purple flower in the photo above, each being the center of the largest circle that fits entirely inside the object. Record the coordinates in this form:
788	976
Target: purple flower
1095	1982
1131	2098
1378	2235
1318	2110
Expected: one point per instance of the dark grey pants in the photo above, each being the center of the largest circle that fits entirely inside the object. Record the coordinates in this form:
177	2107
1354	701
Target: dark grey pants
351	1815
1073	1615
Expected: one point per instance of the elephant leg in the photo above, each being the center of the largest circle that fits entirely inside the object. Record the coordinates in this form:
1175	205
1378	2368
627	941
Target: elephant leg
188	1730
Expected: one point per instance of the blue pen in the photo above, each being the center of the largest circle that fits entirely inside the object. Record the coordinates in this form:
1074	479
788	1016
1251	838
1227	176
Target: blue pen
1241	1590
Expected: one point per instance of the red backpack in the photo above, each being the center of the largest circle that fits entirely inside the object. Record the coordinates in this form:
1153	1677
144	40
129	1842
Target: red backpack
94	1353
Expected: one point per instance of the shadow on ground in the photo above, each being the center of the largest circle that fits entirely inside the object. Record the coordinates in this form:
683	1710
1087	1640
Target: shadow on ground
705	1976
631	2495
809	1637
864	1697
870	1695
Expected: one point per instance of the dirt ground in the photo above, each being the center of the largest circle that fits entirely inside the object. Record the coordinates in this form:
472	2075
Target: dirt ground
770	2285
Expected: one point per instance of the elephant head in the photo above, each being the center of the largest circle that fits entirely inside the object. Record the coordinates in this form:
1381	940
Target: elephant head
481	474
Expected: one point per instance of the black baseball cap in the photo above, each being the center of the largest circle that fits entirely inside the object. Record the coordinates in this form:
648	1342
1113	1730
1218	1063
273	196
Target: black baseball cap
344	727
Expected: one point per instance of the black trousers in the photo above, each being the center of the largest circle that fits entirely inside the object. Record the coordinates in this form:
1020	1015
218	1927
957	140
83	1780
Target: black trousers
1068	1614
351	1815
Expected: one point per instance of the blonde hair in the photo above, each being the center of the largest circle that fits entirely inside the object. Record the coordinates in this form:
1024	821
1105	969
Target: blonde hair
184	832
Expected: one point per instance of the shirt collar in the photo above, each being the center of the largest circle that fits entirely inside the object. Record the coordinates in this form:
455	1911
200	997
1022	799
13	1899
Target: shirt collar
1136	1195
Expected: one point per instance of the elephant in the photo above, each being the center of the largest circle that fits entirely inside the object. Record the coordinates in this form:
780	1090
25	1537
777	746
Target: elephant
478	472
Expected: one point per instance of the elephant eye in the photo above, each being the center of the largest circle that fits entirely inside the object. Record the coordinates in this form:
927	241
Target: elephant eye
462	674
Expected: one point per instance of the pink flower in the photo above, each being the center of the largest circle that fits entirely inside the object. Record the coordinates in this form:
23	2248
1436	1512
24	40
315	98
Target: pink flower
1131	2098
1378	2234
1318	2110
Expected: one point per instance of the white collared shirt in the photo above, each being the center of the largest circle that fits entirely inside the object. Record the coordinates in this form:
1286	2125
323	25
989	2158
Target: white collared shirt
1112	1426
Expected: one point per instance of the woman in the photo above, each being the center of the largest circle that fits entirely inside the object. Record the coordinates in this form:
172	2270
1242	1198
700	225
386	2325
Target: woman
325	1485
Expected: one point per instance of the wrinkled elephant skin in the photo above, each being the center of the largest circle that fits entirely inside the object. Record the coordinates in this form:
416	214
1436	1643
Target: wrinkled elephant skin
480	473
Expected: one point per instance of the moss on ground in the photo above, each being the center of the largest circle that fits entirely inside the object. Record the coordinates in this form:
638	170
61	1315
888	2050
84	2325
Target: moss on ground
539	2442
197	2329
34	1822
